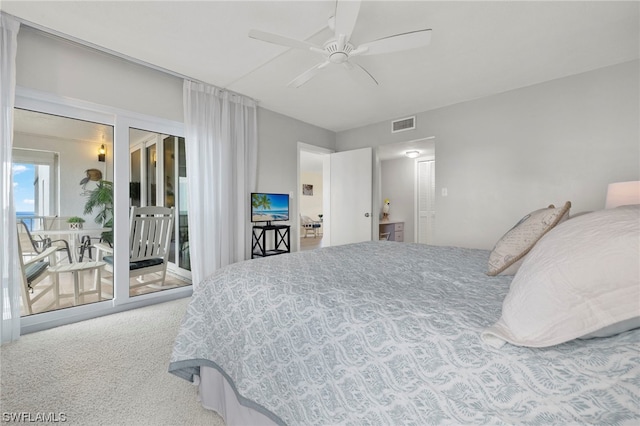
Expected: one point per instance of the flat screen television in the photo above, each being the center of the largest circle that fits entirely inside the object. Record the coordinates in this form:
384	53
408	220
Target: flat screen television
269	207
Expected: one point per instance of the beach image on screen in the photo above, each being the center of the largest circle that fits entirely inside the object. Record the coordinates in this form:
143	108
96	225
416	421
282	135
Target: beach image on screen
269	207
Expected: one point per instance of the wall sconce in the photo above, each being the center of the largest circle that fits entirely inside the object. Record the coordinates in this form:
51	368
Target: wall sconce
102	154
412	154
622	194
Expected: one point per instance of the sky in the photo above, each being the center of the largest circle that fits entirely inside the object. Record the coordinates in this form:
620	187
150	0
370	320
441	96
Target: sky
23	175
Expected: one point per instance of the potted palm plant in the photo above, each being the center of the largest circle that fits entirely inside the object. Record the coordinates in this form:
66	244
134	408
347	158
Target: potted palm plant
101	199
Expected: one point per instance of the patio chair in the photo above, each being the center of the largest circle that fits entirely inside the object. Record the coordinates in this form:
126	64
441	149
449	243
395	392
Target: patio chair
309	226
34	270
36	246
150	230
86	241
87	245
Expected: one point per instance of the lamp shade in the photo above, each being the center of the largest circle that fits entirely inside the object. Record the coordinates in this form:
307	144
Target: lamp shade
622	194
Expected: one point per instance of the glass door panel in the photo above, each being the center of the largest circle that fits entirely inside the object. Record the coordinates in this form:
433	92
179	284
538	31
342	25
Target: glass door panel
168	155
135	196
60	149
151	166
162	165
184	260
169	171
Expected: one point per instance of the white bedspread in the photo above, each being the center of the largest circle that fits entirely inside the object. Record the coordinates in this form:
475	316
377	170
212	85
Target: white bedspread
389	333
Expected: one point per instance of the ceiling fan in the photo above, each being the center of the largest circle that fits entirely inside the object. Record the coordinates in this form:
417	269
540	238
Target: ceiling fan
338	49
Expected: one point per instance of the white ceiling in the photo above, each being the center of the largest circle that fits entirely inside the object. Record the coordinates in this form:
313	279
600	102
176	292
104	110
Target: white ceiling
477	48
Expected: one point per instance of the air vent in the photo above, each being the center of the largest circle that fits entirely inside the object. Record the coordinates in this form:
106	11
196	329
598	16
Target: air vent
403	124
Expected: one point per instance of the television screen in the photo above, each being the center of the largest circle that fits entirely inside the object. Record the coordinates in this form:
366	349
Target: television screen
269	207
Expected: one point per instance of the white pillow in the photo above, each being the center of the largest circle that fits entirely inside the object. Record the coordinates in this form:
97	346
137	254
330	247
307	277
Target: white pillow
580	278
508	253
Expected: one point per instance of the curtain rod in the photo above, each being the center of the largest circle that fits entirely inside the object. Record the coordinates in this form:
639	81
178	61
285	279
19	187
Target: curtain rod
84	43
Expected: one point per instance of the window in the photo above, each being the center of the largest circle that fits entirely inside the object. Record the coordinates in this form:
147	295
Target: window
35	179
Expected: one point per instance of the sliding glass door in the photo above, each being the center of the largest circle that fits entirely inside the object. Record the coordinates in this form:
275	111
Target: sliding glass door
56	168
65	151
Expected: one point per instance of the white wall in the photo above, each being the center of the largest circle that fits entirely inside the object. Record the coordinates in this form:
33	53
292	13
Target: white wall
277	157
51	64
503	156
311	205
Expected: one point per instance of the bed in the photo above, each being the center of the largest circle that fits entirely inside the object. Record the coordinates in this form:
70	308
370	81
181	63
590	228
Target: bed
398	333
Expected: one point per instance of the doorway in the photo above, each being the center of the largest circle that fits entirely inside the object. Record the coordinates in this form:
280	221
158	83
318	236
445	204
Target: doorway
407	180
347	181
313	190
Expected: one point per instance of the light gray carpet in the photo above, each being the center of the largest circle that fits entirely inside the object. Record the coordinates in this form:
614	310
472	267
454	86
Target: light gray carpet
105	371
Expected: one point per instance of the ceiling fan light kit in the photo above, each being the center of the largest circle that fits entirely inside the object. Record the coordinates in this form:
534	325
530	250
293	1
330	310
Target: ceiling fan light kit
338	50
337	54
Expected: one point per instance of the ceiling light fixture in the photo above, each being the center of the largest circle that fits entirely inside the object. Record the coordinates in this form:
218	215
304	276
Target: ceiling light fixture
412	154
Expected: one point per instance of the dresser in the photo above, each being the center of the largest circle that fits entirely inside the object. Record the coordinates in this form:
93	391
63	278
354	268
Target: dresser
394	229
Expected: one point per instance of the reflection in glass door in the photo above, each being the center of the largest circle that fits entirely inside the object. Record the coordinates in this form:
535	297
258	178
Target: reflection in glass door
136	178
175	189
151	167
158	168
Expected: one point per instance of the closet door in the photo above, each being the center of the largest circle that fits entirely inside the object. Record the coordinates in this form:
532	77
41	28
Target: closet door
426	201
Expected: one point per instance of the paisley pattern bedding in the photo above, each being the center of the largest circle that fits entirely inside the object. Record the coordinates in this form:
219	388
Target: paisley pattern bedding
389	333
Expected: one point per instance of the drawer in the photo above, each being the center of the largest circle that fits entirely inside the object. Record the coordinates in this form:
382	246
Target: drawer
399	226
399	236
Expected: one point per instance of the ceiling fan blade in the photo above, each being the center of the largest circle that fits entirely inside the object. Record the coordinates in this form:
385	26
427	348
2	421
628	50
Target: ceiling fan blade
395	43
307	75
346	16
363	73
281	40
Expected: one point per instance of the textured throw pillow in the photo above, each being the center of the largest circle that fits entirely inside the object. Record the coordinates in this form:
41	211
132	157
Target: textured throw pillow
582	279
506	257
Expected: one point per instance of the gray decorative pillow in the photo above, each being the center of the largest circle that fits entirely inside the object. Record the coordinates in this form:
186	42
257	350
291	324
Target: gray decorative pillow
506	257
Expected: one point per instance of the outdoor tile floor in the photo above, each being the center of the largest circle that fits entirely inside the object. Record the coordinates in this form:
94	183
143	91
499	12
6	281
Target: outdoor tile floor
66	287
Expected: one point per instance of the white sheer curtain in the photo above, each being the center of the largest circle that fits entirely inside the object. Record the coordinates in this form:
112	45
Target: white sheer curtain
222	145
9	265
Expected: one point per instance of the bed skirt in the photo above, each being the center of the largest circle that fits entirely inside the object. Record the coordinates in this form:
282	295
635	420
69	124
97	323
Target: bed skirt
218	395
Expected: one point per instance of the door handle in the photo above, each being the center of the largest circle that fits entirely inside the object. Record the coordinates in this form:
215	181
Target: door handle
366	215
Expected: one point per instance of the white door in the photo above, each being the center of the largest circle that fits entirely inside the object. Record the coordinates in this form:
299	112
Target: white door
350	204
426	201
